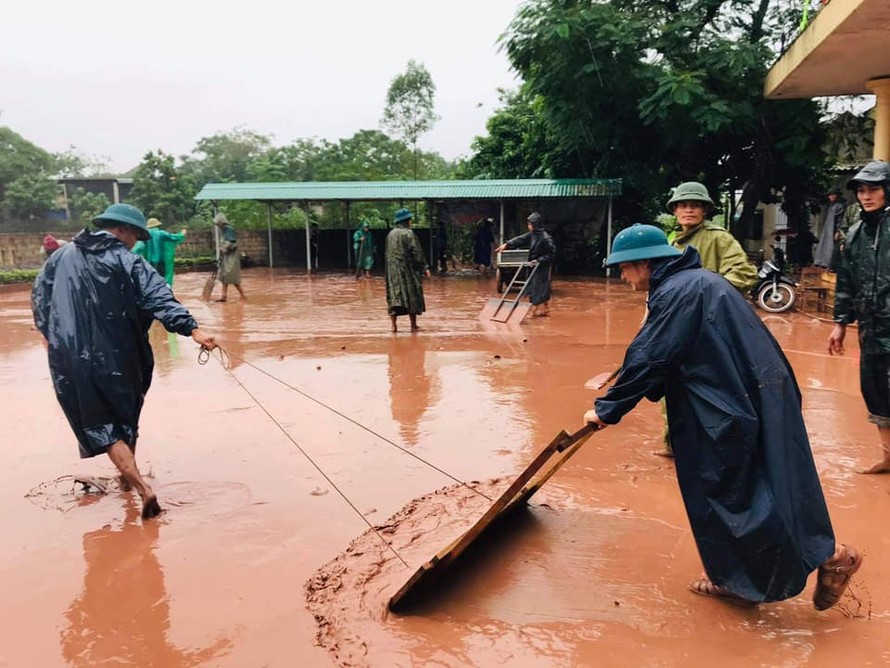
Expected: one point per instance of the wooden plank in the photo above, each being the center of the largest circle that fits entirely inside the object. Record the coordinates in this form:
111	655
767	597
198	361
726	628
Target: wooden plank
542	467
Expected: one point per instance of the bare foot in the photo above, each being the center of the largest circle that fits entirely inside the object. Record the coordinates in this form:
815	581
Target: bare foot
882	466
669	454
124	484
221	299
415	328
150	507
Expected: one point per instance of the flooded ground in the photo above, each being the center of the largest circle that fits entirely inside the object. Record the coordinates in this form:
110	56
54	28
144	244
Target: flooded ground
259	561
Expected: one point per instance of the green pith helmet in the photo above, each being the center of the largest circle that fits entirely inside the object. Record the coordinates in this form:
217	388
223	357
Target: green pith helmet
640	242
123	213
403	215
874	173
691	191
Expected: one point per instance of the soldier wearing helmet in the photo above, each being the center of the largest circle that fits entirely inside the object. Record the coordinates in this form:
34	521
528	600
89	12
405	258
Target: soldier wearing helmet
720	251
752	494
541	252
863	296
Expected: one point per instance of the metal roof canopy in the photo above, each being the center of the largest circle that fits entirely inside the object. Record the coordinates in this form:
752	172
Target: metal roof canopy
843	47
365	191
316	191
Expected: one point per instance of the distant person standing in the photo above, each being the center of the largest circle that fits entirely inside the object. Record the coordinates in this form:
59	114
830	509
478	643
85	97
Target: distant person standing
229	259
363	246
313	246
162	249
482	246
830	235
442	246
541	252
405	268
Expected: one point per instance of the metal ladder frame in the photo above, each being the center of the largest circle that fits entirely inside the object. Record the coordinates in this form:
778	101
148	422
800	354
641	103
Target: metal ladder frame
522	286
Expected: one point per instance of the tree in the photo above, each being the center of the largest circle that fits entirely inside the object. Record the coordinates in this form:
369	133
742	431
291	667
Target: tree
662	91
20	158
224	157
409	111
163	191
84	205
72	163
30	195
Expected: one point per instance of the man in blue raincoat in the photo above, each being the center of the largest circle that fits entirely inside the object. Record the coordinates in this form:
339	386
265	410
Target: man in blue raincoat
743	459
94	302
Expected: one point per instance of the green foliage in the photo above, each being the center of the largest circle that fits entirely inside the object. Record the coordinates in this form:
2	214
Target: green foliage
163	191
657	93
72	163
8	276
84	205
225	157
20	158
410	105
30	195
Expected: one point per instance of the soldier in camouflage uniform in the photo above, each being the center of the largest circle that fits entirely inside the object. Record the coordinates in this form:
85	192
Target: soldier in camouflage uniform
863	296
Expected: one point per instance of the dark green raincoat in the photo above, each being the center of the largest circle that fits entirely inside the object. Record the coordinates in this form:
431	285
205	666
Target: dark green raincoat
743	457
405	267
863	281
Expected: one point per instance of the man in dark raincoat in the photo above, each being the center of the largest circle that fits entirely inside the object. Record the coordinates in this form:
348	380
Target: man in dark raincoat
742	454
94	302
541	252
405	268
863	295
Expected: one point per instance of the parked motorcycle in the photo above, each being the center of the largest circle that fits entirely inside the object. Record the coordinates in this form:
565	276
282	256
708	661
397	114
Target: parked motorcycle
774	292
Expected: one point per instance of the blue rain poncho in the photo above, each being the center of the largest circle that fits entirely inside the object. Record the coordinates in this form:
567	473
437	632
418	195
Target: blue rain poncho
743	458
94	301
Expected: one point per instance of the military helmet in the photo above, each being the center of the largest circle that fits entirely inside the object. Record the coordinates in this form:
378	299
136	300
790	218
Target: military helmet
875	173
126	214
640	242
403	215
535	219
690	191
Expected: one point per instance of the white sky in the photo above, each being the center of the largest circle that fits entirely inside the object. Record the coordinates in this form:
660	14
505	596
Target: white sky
118	79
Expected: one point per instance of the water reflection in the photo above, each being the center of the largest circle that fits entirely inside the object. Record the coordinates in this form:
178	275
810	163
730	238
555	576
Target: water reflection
410	386
122	615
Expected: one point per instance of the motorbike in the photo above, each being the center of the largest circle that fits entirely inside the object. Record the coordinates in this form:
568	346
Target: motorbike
774	291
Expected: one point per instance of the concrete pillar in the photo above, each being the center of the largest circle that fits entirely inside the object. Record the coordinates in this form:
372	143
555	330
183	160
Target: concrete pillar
881	89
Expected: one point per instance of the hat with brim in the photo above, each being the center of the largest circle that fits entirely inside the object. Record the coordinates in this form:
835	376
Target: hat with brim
875	173
402	215
691	191
125	214
151	223
640	242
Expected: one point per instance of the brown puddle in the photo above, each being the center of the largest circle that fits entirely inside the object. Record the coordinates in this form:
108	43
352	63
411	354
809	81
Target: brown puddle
258	561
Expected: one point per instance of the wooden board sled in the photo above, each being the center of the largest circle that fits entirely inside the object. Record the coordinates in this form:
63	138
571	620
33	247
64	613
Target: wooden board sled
548	462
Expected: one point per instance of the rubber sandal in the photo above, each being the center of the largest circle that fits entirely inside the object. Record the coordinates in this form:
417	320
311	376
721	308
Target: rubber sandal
829	586
705	587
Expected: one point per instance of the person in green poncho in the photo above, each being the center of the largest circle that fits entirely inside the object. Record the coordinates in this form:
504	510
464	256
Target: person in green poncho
405	268
363	245
161	249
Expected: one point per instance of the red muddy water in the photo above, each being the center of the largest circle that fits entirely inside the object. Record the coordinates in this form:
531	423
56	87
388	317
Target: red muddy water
258	560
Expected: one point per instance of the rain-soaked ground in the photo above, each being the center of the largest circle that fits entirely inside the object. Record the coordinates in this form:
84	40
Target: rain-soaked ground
595	573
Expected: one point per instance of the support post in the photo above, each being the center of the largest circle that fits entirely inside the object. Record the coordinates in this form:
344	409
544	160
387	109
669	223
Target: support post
348	237
501	228
609	234
881	89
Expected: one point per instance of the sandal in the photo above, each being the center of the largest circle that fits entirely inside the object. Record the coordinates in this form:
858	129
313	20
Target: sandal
705	587
834	576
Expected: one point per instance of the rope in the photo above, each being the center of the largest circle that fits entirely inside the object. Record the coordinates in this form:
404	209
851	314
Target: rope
225	355
204	355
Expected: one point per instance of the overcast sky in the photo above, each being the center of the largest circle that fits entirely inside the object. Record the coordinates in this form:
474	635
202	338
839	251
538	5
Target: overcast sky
118	79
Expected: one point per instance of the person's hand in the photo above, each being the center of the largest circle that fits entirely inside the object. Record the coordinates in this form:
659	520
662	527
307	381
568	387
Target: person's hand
500	248
206	341
532	263
836	339
590	417
427	273
184	231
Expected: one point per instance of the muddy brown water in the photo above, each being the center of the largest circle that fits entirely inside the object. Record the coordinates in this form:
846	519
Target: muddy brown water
258	561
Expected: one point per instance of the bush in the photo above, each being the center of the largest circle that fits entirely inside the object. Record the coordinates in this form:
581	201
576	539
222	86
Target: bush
8	276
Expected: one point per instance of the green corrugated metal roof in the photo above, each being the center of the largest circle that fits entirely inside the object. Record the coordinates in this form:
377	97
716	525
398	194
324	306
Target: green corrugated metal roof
317	191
